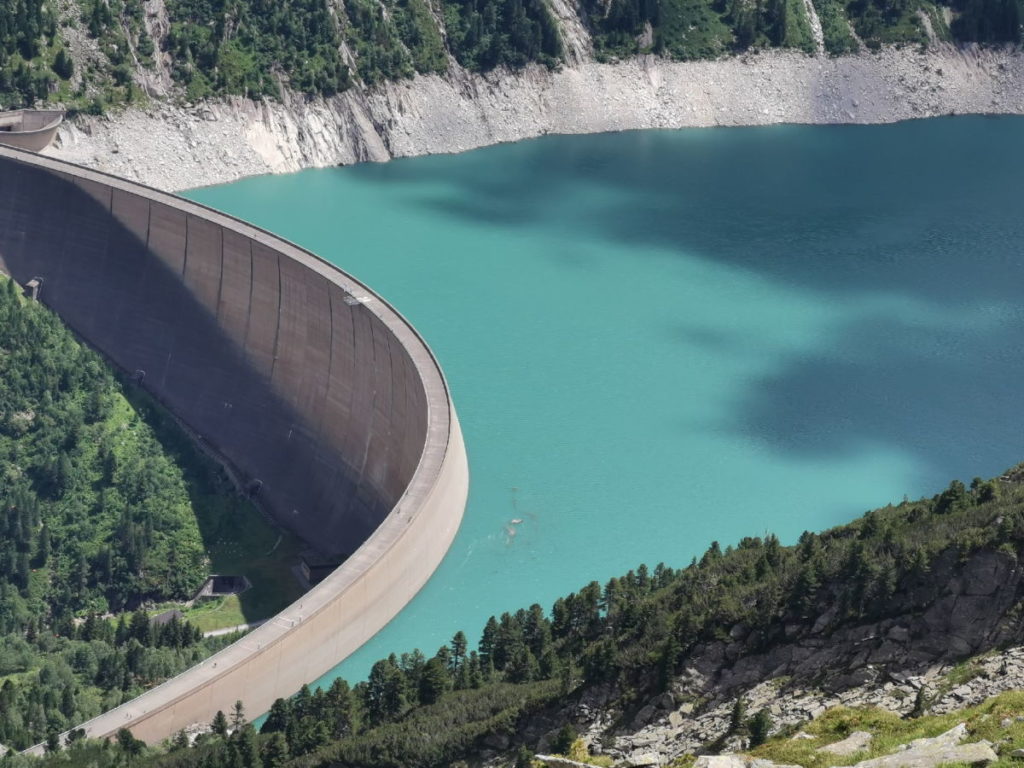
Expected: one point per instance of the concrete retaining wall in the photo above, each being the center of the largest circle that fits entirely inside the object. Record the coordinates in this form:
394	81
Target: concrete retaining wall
291	370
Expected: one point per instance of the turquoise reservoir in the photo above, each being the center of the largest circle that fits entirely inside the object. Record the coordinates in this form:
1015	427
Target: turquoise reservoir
660	339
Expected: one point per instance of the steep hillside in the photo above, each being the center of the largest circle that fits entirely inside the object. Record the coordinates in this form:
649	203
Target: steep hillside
91	54
869	606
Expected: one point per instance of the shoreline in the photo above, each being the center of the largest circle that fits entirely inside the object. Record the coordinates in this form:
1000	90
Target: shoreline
175	147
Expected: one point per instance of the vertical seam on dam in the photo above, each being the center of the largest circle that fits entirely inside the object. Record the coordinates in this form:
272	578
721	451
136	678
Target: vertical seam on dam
248	313
277	327
330	357
379	474
220	277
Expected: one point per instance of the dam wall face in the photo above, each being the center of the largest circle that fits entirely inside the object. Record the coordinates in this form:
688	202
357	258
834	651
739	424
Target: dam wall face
321	398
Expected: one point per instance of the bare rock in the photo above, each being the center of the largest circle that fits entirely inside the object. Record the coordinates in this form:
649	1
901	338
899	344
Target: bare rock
858	741
736	761
644	716
642	759
556	761
720	761
664	701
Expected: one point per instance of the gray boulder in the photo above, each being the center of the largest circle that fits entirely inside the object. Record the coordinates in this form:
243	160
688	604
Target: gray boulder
643	759
556	761
736	761
721	761
858	741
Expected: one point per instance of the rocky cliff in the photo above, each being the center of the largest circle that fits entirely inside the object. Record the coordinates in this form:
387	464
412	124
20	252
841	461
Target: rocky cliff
173	146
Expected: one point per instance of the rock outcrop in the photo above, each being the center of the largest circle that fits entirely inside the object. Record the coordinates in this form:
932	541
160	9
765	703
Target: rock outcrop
858	741
931	753
672	734
943	749
796	671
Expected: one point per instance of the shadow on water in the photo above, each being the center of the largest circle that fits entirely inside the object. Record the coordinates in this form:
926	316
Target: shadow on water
922	214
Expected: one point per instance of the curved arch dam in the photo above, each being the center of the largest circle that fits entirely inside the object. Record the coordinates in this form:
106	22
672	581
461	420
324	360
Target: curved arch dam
302	380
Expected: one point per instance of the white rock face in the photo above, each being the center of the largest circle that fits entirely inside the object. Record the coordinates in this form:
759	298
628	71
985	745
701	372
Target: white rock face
177	147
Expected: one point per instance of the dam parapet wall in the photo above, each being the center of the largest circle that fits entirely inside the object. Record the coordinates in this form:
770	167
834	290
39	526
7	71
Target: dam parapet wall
323	400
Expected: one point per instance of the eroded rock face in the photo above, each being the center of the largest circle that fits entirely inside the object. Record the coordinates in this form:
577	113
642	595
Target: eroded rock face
962	608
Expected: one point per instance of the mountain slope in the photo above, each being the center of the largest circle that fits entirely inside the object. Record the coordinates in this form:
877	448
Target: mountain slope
90	54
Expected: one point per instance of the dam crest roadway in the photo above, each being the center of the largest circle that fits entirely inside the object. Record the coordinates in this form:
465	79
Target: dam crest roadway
298	377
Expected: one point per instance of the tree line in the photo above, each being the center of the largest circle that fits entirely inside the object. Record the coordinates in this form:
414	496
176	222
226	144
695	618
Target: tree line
702	29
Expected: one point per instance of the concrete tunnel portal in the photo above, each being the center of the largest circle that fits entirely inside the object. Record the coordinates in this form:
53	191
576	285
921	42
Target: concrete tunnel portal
308	385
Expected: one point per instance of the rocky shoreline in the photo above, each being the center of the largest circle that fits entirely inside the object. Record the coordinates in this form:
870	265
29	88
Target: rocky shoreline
175	147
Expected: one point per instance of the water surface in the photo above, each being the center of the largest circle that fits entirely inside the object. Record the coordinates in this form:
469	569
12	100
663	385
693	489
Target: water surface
659	339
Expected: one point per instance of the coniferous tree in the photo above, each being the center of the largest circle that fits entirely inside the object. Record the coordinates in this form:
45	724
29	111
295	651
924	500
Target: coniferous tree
219	724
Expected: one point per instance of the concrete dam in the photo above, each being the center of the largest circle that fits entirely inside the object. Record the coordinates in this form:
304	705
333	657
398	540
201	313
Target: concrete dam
316	393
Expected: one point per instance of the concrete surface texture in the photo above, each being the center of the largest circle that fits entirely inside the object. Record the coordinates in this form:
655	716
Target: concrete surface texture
311	387
31	129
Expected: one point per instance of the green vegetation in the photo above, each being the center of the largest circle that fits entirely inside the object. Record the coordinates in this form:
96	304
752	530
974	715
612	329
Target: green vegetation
696	29
28	35
635	632
420	35
55	680
118	29
104	504
484	34
252	47
701	29
91	503
835	27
